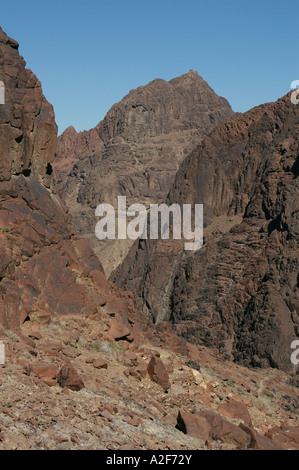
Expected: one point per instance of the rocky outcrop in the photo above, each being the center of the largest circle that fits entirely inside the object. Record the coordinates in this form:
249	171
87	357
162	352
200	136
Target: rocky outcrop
158	373
68	377
69	337
135	152
239	292
45	268
193	425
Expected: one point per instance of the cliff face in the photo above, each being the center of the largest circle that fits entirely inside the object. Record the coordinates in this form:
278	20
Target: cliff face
27	127
78	374
135	151
239	292
45	268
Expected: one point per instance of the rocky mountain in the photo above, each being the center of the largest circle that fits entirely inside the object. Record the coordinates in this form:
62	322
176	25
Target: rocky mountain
81	369
135	152
45	268
239	293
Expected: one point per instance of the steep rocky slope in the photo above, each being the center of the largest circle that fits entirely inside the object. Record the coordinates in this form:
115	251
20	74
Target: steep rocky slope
45	268
239	292
135	151
82	370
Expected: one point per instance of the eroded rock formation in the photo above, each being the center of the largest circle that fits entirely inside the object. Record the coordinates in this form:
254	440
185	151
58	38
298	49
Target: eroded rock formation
239	292
135	152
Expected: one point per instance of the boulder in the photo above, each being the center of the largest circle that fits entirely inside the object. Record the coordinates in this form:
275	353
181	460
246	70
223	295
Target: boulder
258	441
158	373
193	425
236	409
100	363
69	377
224	430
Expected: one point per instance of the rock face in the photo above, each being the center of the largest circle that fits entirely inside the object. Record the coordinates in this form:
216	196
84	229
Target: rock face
239	292
49	401
27	127
45	269
135	152
235	409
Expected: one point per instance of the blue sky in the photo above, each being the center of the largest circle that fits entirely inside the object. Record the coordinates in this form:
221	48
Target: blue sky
89	54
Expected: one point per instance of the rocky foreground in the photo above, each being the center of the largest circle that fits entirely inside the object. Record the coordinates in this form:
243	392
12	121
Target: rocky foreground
69	384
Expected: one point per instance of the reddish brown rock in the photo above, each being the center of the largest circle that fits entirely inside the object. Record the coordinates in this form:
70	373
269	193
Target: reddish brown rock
49	382
258	441
69	377
225	431
70	337
34	334
118	330
71	352
89	360
44	317
286	436
142	369
193	425
28	129
235	409
130	356
45	268
158	373
133	373
134	422
100	363
44	370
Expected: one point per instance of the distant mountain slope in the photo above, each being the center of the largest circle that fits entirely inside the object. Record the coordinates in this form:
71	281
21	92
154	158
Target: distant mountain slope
240	292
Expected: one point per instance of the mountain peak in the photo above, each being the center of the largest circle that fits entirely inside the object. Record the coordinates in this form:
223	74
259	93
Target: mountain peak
136	150
69	131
